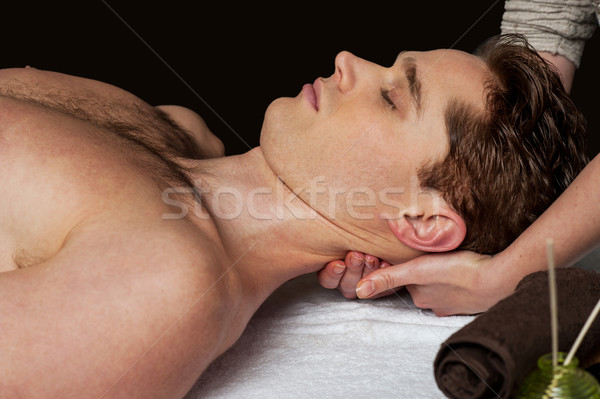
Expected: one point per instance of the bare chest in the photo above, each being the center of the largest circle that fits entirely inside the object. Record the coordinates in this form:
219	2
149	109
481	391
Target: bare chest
57	172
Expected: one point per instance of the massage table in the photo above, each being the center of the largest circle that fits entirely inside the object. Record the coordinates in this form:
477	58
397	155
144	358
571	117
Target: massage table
310	342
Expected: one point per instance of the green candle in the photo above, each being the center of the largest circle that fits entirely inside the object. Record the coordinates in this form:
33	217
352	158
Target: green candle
560	381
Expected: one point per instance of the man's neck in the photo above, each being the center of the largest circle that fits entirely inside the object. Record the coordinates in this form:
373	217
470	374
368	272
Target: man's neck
269	233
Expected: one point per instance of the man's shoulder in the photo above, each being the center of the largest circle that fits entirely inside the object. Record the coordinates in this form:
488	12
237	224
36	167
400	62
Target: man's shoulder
175	254
144	233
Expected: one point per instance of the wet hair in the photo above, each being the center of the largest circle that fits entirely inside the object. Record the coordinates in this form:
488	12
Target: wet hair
507	164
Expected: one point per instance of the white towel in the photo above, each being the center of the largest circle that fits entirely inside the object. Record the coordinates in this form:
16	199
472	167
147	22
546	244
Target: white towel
309	342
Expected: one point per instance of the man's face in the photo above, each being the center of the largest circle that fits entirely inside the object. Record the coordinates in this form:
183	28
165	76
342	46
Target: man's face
368	128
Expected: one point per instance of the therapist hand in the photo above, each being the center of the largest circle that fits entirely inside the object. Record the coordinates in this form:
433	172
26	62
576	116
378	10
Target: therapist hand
345	274
460	282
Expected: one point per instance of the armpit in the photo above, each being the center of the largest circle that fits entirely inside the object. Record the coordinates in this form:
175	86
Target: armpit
103	105
146	128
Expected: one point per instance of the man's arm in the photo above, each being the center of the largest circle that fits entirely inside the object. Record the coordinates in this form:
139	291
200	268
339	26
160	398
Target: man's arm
116	312
210	146
112	108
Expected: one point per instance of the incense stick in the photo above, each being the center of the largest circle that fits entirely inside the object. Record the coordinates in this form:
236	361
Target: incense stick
553	306
582	333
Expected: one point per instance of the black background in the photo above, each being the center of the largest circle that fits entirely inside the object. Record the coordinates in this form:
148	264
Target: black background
229	61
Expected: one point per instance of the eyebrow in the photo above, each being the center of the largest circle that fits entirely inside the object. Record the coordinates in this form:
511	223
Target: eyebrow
409	67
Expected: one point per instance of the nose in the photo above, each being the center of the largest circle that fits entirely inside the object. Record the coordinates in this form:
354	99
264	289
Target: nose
346	65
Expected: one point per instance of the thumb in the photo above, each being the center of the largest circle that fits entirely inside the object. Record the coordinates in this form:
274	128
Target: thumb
381	280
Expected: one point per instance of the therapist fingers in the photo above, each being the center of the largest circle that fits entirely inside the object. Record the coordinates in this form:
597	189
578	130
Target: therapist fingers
458	282
331	275
356	263
345	275
389	279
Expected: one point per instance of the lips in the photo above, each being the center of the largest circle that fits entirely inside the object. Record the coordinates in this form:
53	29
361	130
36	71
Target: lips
317	89
312	93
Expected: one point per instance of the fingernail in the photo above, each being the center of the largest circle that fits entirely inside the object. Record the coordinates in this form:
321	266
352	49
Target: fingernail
355	261
365	289
339	269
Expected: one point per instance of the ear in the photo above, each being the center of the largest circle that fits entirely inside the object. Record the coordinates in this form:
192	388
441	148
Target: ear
442	232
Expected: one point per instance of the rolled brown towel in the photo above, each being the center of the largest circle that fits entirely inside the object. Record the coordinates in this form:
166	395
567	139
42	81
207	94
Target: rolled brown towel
491	356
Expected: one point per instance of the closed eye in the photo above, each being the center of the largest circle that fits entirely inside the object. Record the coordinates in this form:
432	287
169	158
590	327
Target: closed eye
386	96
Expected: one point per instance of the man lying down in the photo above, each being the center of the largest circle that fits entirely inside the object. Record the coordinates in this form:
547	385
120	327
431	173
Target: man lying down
133	254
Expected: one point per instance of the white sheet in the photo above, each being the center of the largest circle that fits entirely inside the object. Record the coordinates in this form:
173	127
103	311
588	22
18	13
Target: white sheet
309	342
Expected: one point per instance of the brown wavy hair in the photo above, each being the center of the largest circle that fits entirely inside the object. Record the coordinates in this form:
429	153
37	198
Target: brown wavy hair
505	166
